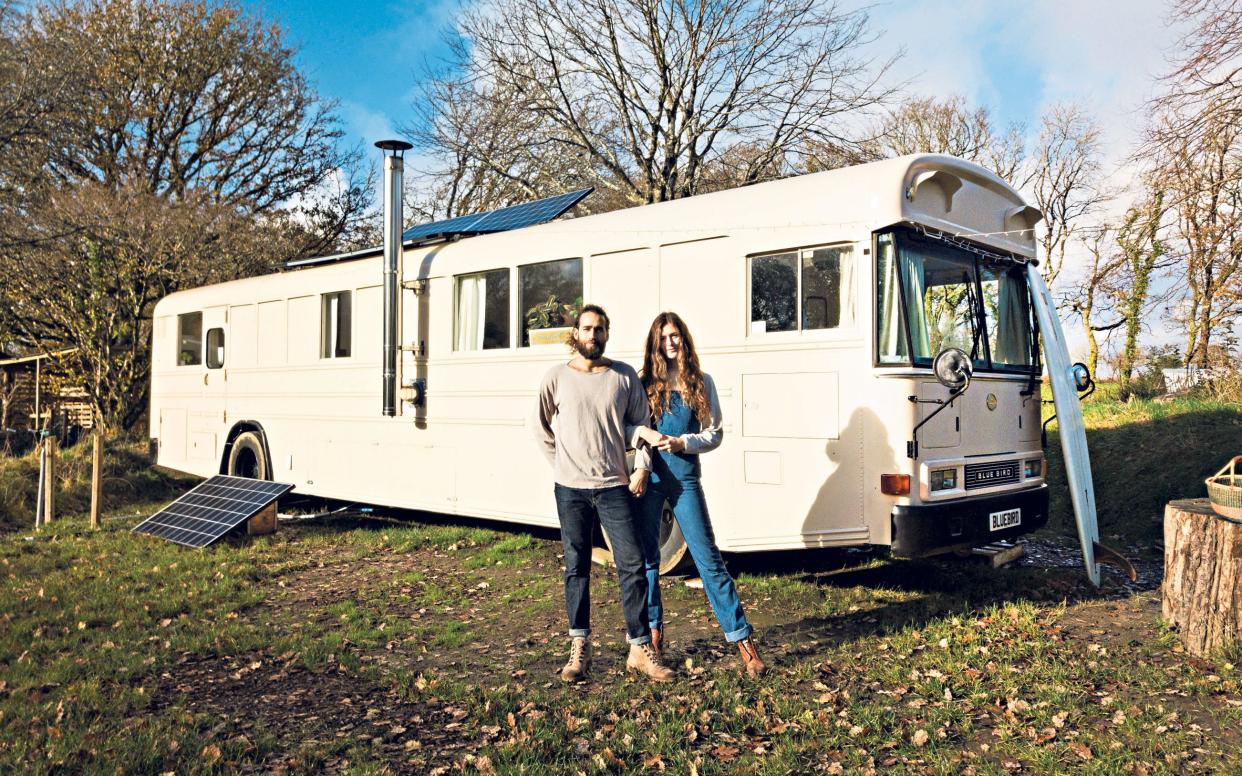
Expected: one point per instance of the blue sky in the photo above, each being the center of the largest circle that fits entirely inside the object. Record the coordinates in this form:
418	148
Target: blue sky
367	56
1012	57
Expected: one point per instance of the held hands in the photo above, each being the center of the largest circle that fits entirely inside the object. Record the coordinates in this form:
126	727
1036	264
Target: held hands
668	444
671	444
650	436
638	482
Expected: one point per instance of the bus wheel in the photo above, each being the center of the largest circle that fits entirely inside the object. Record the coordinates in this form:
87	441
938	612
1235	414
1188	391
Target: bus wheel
673	555
247	459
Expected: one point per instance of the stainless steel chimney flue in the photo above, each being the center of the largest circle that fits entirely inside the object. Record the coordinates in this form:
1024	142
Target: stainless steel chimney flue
394	168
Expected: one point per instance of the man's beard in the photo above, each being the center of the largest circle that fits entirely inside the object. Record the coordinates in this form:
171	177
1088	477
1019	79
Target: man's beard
590	350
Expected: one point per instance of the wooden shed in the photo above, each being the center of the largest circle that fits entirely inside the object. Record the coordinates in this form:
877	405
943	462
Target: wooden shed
37	392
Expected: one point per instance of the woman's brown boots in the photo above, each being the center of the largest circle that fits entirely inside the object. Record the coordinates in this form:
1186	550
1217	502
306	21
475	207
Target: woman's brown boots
750	658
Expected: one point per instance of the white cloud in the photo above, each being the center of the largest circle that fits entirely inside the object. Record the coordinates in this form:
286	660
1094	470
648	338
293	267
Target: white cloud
417	36
1018	58
941	43
366	124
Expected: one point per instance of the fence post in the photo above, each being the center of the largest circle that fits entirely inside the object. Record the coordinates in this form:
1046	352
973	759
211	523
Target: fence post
96	473
41	452
49	480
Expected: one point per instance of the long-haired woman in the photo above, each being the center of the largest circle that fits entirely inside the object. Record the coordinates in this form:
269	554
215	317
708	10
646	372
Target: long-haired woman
686	412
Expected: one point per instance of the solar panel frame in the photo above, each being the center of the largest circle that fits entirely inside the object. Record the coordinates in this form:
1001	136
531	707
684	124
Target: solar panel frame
500	220
211	509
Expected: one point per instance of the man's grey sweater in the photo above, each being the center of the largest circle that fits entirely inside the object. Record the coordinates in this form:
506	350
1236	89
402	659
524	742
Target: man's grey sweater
595	413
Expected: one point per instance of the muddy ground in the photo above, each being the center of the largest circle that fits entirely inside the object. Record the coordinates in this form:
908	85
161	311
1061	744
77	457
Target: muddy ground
502	626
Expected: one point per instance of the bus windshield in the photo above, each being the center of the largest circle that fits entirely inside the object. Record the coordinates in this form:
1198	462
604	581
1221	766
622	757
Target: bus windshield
932	295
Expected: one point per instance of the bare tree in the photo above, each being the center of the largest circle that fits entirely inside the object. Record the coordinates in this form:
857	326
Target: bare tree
1194	137
1204	89
949	126
1065	180
648	100
184	147
1202	178
178	94
489	151
29	99
94	289
1139	240
1098	290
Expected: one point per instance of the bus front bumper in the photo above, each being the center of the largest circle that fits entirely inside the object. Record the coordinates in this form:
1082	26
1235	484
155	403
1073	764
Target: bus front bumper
930	529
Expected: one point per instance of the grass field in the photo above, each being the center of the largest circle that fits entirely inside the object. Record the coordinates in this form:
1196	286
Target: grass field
376	646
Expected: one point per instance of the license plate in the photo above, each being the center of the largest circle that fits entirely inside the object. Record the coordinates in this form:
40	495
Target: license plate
1006	519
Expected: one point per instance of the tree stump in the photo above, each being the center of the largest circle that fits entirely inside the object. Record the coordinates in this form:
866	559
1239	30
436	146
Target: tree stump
1202	590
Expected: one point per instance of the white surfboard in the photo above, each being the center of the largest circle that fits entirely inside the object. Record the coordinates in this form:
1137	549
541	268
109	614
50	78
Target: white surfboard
1073	430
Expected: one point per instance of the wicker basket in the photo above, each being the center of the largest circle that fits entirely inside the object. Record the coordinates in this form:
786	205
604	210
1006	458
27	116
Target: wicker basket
1225	490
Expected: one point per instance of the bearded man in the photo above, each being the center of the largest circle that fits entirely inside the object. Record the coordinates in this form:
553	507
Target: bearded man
598	404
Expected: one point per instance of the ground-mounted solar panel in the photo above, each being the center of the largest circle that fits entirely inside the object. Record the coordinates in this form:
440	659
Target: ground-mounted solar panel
211	509
501	220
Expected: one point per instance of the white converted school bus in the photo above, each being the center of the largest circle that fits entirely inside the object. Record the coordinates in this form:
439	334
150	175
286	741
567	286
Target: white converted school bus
818	303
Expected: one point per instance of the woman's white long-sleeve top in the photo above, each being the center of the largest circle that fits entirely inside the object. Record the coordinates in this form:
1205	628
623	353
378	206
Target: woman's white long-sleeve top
711	435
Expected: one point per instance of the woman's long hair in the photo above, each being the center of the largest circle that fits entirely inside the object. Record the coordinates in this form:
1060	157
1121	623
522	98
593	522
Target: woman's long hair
655	371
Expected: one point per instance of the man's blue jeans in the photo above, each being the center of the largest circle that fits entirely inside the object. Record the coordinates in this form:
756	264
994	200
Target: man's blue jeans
577	509
690	509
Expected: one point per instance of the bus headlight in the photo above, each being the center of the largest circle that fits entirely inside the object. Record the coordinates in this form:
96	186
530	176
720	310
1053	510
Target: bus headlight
943	479
1033	468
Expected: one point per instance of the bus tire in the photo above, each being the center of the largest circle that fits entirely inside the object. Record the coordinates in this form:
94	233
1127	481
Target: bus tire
248	459
674	557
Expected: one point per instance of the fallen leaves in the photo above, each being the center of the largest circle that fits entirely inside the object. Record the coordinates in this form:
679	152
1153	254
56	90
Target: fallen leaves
1082	750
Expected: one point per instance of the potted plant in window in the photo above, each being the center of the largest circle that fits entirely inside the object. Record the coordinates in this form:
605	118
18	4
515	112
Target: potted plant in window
549	322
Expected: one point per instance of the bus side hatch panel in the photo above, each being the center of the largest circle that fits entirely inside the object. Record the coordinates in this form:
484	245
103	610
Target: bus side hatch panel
944	430
800	405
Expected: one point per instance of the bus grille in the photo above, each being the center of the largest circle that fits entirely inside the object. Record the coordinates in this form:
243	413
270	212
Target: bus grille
986	475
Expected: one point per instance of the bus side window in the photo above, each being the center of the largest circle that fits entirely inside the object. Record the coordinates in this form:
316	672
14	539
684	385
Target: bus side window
482	315
189	339
774	293
827	288
807	289
334	325
551	295
215	348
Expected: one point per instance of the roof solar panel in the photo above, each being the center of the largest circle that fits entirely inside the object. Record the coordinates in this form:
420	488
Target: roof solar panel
211	509
501	220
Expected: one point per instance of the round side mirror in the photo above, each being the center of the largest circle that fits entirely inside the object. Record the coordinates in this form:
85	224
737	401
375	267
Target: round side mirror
953	369
1081	375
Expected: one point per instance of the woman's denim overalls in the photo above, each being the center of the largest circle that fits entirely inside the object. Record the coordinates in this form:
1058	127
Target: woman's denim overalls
675	477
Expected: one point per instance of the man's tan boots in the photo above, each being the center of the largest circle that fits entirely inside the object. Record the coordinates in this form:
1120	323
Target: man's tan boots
657	640
579	660
750	658
644	659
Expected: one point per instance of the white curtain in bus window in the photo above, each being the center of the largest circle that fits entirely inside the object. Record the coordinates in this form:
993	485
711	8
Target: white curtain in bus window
922	303
334	325
1008	314
190	339
482	311
827	288
551	296
892	333
774	293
